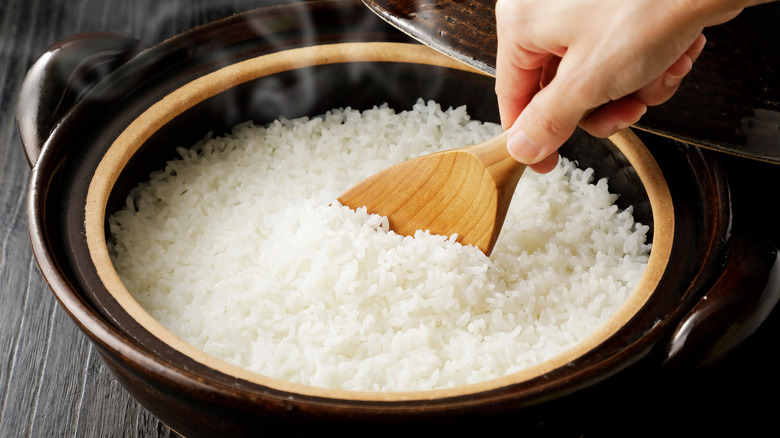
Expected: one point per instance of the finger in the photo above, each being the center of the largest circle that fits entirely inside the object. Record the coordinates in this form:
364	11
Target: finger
548	120
663	87
613	116
514	90
697	47
518	69
517	81
546	164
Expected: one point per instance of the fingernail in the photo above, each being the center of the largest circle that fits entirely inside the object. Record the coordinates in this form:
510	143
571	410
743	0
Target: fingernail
522	148
672	81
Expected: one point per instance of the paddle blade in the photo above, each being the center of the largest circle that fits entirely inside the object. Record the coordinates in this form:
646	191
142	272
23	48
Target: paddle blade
445	193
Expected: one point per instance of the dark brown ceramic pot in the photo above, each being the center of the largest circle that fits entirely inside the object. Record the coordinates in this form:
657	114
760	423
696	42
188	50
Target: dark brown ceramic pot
99	112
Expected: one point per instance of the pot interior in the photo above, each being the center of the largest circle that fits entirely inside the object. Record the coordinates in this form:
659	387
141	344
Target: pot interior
308	83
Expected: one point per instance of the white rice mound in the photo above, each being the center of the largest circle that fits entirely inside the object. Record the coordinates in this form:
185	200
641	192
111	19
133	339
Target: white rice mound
239	249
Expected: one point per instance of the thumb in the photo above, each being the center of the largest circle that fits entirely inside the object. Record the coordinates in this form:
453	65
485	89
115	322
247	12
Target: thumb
544	125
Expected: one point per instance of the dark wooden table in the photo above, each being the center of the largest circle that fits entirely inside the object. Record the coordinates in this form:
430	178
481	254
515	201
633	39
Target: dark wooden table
52	383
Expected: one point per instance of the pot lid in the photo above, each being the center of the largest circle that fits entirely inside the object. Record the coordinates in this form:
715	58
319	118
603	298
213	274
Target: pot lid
729	102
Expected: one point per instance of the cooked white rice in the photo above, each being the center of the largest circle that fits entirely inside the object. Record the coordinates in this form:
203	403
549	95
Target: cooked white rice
239	249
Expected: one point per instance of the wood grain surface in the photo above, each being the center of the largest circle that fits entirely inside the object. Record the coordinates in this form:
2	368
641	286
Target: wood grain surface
54	384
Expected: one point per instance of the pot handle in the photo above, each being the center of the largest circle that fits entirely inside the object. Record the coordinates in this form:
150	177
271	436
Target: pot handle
739	301
61	77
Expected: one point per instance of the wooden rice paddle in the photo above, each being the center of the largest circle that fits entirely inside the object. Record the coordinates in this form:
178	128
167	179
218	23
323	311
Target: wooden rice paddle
465	191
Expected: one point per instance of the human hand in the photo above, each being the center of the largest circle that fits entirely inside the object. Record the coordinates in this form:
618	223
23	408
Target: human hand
593	63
